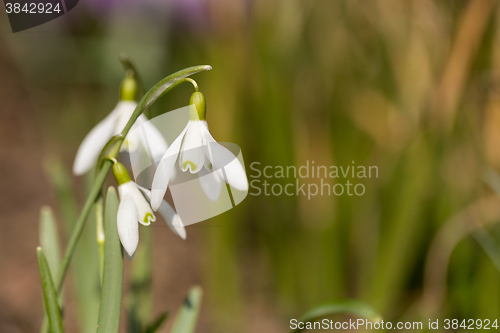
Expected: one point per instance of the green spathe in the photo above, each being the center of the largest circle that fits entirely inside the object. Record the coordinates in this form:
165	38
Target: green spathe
129	88
121	174
200	107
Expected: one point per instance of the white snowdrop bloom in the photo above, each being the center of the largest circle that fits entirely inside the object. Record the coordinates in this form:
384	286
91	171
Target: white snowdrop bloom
135	209
90	148
194	149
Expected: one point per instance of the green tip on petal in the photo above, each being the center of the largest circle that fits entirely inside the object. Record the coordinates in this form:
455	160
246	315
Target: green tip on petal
121	174
186	163
200	108
129	88
147	217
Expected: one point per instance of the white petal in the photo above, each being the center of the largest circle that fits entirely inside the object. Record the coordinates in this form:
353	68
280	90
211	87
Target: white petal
172	219
145	214
211	183
125	109
225	162
128	228
192	156
165	171
151	138
91	146
236	176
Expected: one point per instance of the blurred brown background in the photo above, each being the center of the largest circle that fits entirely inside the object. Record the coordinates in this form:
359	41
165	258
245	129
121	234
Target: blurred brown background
408	86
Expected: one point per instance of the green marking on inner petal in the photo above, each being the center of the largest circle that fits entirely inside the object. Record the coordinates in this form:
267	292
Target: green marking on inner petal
147	216
186	163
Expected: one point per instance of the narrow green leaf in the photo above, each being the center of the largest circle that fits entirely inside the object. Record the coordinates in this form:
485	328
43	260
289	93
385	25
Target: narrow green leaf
99	222
140	296
49	293
111	294
152	328
185	322
353	307
49	239
85	282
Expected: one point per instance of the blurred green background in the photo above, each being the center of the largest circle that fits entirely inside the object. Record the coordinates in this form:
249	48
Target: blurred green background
408	86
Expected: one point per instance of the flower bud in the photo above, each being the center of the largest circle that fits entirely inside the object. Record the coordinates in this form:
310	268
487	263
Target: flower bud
199	111
120	173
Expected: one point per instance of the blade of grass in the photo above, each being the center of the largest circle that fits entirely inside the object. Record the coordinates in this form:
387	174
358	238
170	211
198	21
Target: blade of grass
185	321
353	307
49	294
111	294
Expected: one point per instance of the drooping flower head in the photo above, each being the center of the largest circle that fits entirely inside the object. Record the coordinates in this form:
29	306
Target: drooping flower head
113	124
194	149
134	209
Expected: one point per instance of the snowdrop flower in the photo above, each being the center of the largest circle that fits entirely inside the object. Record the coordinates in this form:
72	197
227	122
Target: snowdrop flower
135	209
113	124
195	148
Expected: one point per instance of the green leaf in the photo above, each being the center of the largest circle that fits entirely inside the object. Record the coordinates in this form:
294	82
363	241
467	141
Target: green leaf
353	307
49	293
85	282
153	327
185	322
111	294
140	296
49	239
99	222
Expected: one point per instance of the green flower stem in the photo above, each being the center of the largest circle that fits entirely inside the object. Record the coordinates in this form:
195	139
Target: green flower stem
151	96
193	82
160	89
80	223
